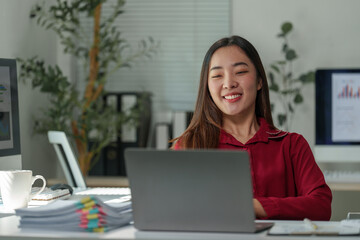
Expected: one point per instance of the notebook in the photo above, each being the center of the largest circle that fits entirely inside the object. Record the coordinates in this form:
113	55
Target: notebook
193	190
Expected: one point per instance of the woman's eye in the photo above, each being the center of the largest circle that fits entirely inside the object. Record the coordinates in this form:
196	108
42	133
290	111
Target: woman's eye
241	72
215	76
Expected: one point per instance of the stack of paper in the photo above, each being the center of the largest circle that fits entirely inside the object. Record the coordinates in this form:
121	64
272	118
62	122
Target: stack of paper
88	214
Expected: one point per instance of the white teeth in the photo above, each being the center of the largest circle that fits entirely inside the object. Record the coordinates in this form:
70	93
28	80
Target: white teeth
232	96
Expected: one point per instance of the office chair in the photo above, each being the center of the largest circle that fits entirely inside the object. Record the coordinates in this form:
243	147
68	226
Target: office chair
67	159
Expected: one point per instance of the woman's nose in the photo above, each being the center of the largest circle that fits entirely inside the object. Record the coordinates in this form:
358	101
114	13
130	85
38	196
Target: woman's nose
229	83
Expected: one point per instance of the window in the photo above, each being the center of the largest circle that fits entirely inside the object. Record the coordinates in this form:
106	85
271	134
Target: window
185	29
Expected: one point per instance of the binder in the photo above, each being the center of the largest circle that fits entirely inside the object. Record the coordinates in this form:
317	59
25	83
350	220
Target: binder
111	160
99	167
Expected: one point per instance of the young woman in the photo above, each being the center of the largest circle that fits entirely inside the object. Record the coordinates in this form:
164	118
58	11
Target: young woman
233	112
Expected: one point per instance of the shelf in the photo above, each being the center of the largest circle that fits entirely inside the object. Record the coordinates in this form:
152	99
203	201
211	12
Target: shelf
344	186
96	181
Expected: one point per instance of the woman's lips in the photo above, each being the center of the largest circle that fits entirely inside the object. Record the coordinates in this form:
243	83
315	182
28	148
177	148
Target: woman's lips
233	97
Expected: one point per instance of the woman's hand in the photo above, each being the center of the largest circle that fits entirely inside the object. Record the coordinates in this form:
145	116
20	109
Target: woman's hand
259	210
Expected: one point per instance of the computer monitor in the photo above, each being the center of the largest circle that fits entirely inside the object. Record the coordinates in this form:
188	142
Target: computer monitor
337	115
10	153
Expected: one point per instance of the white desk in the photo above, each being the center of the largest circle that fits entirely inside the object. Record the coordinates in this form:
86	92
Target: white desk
9	230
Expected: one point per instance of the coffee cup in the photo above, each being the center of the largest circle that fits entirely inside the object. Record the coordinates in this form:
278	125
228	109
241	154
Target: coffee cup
15	186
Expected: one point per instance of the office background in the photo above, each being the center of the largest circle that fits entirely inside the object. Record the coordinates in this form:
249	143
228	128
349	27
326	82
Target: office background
326	36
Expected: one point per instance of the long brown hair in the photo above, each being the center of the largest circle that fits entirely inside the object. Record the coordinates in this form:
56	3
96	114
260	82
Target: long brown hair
205	125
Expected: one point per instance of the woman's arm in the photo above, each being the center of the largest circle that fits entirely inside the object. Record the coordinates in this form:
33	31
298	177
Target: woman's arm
259	210
313	196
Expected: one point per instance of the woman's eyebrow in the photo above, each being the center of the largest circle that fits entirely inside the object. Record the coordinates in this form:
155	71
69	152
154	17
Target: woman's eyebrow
234	65
240	63
216	67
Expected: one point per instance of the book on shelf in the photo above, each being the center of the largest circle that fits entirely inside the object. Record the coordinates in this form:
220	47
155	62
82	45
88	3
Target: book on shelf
88	214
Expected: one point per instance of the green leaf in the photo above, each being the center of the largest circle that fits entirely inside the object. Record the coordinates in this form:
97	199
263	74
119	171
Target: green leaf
281	119
290	55
151	39
298	98
281	62
271	77
291	109
49	25
290	91
307	77
311	77
275	68
274	87
289	75
128	65
285	47
286	27
272	107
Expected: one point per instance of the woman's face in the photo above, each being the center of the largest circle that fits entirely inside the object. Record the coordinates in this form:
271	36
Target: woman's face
233	81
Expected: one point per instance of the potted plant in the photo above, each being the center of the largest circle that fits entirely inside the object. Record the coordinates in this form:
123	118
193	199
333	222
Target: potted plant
283	83
82	113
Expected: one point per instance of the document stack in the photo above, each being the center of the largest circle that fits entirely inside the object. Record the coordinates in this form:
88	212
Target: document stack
89	214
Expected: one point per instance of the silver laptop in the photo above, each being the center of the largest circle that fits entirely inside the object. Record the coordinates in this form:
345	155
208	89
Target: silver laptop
192	190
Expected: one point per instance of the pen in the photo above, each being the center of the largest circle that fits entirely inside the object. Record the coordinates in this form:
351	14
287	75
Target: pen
310	224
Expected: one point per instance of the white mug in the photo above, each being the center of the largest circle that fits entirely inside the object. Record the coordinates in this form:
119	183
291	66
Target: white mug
16	186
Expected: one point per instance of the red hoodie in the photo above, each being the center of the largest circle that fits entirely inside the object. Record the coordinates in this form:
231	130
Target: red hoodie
286	179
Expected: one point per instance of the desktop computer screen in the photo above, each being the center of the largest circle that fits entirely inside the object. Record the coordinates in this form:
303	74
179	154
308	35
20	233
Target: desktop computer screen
10	153
337	115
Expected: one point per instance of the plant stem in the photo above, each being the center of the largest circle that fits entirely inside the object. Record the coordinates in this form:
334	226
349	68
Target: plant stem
91	94
94	64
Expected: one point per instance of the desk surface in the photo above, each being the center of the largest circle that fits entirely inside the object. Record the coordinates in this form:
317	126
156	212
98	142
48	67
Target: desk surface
9	229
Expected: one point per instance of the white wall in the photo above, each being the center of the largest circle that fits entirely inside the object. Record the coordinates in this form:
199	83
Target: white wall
21	37
326	35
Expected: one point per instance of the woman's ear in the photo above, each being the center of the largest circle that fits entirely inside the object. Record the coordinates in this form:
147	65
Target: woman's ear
259	84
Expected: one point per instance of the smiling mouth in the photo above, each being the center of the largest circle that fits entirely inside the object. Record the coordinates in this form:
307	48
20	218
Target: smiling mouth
229	97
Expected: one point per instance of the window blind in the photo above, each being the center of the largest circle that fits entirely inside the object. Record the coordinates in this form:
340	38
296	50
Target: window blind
185	30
